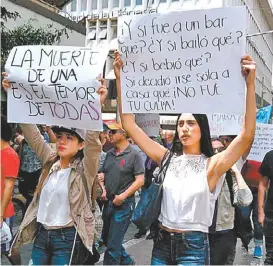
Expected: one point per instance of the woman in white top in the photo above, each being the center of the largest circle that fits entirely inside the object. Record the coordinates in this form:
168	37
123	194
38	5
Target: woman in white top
59	218
189	190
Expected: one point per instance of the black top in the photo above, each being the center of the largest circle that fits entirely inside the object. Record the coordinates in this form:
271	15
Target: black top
266	169
120	170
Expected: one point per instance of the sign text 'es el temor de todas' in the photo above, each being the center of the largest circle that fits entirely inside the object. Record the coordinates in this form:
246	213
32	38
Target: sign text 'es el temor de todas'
55	85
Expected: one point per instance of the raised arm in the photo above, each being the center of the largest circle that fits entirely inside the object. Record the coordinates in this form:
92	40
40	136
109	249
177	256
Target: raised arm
36	141
151	148
223	161
91	151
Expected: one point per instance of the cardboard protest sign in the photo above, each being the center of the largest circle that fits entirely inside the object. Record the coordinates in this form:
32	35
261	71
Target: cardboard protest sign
183	61
55	85
149	123
263	142
225	124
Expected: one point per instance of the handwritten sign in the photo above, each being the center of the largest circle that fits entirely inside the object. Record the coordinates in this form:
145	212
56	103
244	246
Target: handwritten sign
55	85
149	123
183	61
225	124
263	142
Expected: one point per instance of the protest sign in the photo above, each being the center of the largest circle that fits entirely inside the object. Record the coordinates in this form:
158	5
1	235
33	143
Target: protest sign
55	85
183	61
263	142
225	124
149	123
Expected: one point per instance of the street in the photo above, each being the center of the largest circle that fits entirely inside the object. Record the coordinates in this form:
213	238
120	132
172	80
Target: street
141	250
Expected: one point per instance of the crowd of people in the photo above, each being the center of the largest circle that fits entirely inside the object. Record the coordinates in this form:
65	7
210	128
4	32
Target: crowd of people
74	179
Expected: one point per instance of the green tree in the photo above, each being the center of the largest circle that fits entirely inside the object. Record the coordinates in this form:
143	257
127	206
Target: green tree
26	34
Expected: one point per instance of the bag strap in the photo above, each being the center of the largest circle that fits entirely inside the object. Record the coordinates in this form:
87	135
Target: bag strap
230	187
165	161
90	203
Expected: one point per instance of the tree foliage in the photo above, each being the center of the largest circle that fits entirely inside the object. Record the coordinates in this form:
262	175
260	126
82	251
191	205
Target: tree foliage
26	34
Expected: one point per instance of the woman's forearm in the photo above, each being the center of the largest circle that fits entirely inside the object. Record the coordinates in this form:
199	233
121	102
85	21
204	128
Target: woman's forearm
127	119
249	125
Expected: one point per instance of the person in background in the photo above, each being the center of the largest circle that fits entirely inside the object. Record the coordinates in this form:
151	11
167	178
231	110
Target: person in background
43	129
234	192
108	145
123	176
252	177
30	167
265	207
250	173
168	139
9	172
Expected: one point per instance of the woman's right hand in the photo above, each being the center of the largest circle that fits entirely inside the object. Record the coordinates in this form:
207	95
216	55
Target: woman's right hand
118	64
5	82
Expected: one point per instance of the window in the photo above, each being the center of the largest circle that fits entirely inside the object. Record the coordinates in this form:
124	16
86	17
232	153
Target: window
114	29
138	2
127	2
74	5
115	3
84	5
92	31
103	30
91	35
94	4
104	3
103	34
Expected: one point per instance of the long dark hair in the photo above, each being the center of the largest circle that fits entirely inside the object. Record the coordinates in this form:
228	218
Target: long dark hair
205	143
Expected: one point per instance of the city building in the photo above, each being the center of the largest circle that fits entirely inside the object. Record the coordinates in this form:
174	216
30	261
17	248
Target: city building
101	28
40	14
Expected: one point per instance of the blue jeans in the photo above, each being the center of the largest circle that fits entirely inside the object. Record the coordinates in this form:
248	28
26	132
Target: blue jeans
116	220
54	247
189	248
246	213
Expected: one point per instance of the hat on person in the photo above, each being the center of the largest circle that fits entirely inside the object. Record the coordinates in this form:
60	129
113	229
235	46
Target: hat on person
115	126
81	133
105	127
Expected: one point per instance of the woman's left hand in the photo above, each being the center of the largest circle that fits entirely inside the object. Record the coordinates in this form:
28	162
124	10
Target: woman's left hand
102	91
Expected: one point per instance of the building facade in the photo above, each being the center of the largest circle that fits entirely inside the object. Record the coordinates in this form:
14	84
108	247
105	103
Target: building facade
101	27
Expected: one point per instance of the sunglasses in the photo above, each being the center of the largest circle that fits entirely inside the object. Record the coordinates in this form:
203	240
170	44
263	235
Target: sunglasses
115	131
217	150
226	139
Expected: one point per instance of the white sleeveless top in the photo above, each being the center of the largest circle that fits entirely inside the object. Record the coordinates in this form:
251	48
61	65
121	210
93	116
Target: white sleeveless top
187	202
54	208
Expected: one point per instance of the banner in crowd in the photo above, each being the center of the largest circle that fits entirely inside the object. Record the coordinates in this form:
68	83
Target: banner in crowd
55	85
264	114
183	61
149	123
263	142
225	124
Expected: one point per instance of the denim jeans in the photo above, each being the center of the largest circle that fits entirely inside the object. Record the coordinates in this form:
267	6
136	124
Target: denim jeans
268	234
189	248
116	220
54	247
221	246
246	213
